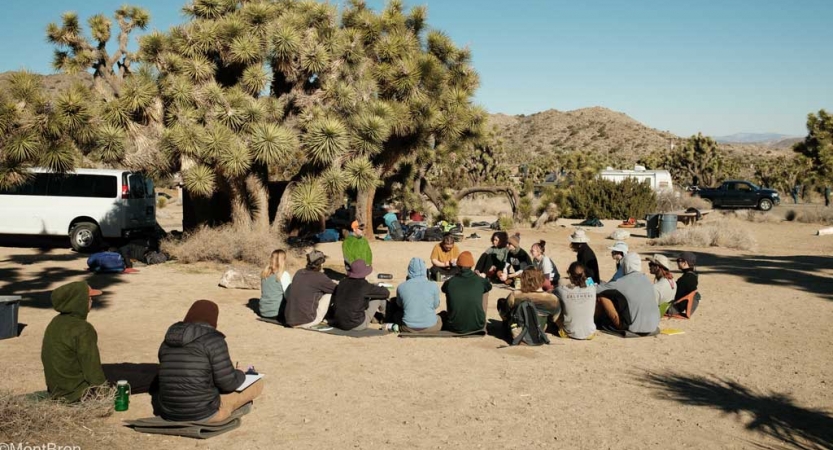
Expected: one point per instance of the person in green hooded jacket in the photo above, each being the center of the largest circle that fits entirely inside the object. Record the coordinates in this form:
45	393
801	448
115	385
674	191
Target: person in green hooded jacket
356	247
71	362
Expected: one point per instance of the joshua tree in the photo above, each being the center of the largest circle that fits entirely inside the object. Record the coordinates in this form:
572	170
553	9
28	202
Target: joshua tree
818	145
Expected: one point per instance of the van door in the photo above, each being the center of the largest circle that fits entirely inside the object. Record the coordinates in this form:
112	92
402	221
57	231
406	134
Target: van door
140	204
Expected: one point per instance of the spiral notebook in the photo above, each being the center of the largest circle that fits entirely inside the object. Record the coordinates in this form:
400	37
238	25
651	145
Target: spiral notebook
250	379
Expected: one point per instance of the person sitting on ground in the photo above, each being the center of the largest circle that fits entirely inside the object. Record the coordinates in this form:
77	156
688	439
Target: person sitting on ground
274	282
466	297
543	263
355	246
197	380
617	252
110	261
444	258
516	261
493	260
356	301
628	303
70	357
309	299
580	244
395	231
578	305
664	286
686	284
532	282
418	298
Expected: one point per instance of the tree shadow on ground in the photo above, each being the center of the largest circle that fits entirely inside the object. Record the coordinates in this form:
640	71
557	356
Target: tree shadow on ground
774	414
798	272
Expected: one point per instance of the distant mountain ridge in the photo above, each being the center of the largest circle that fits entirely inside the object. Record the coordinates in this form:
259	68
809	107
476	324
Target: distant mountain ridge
753	138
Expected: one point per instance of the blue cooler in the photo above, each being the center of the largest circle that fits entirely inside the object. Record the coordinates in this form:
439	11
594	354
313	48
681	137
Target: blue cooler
9	304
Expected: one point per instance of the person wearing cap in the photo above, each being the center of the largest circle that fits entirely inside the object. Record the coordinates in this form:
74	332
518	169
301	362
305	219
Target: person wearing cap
197	381
493	260
617	252
687	283
69	353
356	301
628	303
355	246
309	299
466	298
418	299
444	258
579	243
517	260
664	286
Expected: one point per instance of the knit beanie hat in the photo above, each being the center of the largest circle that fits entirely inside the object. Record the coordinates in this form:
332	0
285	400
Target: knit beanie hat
204	311
465	260
515	240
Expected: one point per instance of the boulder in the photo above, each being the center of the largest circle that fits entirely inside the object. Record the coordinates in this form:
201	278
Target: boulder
619	235
235	278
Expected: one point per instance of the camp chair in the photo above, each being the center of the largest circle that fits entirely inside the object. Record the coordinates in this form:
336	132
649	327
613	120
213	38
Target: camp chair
692	299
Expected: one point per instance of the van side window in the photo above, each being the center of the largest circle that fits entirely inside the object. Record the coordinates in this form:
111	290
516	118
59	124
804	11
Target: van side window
71	185
36	185
136	184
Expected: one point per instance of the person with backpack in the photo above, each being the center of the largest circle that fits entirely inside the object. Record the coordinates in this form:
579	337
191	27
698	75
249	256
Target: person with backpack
493	260
444	259
355	246
516	260
578	305
543	263
466	297
356	301
580	243
532	283
628	303
274	282
418	299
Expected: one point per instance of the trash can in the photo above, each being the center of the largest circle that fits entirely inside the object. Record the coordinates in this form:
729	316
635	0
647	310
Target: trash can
668	224
652	225
9	304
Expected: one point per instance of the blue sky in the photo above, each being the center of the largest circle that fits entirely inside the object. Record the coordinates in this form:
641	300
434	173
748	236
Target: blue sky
719	67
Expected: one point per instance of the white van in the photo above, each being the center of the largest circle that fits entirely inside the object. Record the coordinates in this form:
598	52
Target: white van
660	180
86	205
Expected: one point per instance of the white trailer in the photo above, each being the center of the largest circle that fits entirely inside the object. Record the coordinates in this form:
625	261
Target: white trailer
660	180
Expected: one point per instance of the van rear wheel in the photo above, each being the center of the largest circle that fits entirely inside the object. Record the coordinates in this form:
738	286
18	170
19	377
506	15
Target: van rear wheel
84	236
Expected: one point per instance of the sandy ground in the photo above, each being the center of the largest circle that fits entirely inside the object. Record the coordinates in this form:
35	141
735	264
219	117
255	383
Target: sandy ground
751	371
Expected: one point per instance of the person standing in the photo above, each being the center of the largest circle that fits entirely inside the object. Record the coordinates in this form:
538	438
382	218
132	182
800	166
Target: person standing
355	246
795	192
827	196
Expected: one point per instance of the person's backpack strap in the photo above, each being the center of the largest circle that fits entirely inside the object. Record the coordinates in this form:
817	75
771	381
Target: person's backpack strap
525	316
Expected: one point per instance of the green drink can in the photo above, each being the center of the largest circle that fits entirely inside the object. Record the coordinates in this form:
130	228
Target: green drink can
122	395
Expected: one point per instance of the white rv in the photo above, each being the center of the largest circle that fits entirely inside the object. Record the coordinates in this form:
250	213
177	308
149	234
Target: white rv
86	205
660	180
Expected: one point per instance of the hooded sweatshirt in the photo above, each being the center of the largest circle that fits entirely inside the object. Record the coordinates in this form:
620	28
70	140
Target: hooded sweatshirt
639	294
194	369
356	247
464	299
418	297
71	362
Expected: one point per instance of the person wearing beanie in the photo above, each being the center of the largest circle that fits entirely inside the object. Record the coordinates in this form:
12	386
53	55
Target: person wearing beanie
197	380
356	301
69	353
493	260
444	259
516	260
418	299
466	297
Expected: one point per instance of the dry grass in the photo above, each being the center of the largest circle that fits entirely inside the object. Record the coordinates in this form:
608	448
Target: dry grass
26	420
227	244
727	233
820	215
751	215
679	200
475	205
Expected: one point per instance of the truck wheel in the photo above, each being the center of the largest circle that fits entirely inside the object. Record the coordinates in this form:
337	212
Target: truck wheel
84	236
765	204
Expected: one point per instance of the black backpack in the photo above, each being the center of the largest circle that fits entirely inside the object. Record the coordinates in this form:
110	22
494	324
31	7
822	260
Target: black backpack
525	326
395	231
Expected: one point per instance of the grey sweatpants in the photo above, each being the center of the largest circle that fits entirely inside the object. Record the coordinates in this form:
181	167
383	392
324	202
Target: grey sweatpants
372	307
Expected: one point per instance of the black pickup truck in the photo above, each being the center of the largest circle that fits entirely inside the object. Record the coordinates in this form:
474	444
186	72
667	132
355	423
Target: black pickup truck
740	194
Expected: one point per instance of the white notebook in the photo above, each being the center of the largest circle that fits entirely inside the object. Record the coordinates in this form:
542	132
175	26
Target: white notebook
250	379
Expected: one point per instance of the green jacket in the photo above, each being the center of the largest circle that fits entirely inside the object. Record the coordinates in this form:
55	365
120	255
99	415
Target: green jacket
464	300
71	362
355	248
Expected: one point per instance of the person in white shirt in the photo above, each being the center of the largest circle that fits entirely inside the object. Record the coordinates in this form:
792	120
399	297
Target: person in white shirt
578	305
664	285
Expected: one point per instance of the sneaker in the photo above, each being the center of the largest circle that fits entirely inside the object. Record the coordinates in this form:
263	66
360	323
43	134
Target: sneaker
391	328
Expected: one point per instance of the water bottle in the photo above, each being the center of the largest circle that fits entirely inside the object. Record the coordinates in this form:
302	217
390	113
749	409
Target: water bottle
122	395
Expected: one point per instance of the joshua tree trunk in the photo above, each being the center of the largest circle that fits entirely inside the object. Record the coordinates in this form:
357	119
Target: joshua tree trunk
258	190
282	214
364	210
240	212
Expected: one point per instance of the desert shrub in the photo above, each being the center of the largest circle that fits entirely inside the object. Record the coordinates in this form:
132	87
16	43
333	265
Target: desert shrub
525	208
822	216
225	244
505	222
466	221
482	205
23	419
450	212
679	200
726	233
605	199
750	215
161	202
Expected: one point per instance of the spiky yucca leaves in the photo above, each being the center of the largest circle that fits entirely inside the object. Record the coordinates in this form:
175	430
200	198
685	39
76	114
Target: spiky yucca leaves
326	139
272	144
361	174
309	200
200	180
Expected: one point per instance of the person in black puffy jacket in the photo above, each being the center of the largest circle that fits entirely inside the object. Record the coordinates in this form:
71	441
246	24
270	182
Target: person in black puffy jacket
197	380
